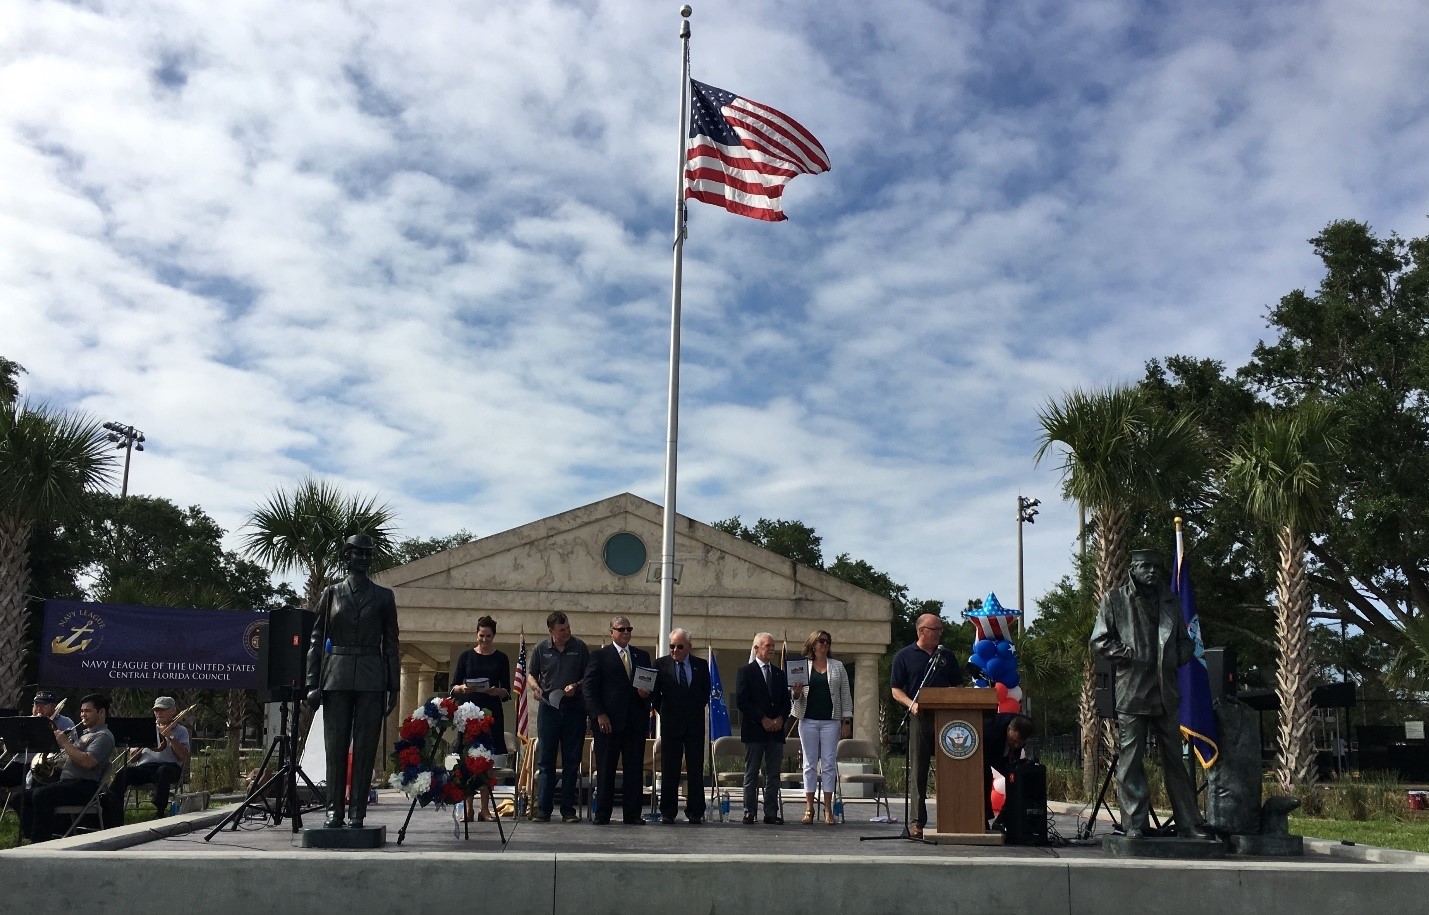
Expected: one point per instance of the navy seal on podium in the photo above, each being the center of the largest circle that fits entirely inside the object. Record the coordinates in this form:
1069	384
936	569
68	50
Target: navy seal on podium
353	672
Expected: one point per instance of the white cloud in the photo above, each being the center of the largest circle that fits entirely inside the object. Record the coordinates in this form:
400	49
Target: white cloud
428	254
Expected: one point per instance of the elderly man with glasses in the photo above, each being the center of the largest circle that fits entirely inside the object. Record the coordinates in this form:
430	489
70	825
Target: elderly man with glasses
681	695
924	663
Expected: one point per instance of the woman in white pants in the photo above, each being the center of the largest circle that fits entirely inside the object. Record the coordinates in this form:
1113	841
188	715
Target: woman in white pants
825	712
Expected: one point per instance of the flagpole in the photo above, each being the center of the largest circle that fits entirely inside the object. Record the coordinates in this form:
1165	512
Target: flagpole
672	425
1180	549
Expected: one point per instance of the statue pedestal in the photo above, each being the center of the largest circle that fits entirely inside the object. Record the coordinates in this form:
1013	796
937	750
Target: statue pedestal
344	837
1173	847
1282	846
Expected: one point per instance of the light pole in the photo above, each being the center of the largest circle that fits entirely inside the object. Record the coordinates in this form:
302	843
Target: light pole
1026	512
130	440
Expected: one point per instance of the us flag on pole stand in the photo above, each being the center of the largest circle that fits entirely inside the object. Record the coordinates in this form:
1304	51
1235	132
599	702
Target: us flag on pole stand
518	686
741	153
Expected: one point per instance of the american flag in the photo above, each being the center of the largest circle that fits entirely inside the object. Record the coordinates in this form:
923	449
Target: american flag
741	153
518	686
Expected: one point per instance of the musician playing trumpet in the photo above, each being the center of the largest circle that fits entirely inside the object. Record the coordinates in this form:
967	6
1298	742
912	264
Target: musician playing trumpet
17	769
161	765
86	757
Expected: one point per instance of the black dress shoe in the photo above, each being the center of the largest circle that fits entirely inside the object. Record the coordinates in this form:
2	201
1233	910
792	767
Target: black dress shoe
695	821
600	821
571	818
774	821
749	819
638	821
541	818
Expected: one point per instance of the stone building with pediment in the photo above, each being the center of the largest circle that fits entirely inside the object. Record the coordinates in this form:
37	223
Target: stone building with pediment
591	562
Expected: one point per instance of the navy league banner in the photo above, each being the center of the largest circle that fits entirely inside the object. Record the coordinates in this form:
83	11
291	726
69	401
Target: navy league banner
163	648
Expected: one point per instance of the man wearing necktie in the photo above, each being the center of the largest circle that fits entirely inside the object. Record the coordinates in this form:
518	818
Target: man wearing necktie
762	693
620	718
682	692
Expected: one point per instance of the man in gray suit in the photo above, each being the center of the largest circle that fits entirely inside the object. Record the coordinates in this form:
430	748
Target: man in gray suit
1139	628
353	670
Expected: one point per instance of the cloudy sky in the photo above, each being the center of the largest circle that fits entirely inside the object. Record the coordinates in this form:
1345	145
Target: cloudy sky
425	249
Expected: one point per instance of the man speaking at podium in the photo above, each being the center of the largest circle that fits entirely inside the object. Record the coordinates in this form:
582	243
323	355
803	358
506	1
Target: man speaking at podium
924	663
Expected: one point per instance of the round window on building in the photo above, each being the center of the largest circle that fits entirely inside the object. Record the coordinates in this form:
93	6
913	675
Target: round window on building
625	554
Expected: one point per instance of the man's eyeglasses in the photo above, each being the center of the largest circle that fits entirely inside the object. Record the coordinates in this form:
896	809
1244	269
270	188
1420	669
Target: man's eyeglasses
622	628
930	628
679	647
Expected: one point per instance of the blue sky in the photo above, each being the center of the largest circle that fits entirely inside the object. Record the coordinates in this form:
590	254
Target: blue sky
425	251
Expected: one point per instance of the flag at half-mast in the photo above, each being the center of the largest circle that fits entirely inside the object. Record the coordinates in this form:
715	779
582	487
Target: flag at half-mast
740	154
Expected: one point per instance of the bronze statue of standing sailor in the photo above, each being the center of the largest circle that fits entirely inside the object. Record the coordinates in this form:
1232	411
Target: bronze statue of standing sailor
1140	630
353	671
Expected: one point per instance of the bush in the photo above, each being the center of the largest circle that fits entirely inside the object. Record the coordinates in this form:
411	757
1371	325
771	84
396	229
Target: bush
214	770
1376	796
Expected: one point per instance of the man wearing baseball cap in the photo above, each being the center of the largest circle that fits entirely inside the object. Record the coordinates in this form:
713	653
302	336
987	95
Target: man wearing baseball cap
161	765
17	770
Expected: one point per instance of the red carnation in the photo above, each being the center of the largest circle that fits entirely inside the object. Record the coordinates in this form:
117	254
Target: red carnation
475	727
451	792
414	729
410	756
477	764
448	705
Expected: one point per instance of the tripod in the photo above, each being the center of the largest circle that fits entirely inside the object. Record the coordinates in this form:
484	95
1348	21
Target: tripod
283	752
1085	831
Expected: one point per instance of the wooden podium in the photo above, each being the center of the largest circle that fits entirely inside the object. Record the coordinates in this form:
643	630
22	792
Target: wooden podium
957	747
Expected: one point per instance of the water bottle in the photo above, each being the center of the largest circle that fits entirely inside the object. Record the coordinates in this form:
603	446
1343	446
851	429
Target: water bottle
839	809
174	807
724	804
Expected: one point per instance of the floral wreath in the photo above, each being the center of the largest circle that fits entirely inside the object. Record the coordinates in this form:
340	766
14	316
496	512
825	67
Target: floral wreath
444	754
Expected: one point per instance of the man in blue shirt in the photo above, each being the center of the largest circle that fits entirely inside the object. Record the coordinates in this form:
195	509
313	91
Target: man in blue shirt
924	663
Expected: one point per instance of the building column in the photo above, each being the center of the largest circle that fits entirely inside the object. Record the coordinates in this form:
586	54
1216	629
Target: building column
425	687
407	696
865	697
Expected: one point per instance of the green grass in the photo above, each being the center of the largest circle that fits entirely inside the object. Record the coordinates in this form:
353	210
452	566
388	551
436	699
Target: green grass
1406	835
10	825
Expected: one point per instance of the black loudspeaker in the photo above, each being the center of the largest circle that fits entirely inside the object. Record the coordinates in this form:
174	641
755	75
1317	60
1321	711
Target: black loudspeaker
1221	668
1025	810
282	651
1104	688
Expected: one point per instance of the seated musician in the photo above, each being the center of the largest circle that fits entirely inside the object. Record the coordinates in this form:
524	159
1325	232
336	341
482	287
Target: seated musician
160	765
17	769
86	758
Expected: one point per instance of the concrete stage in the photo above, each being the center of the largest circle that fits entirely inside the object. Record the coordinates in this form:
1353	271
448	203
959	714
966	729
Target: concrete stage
715	867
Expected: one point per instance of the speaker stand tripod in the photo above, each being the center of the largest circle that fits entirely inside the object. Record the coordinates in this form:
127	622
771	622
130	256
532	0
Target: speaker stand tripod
283	752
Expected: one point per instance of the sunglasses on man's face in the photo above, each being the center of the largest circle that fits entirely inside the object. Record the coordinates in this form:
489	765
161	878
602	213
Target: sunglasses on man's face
679	647
622	628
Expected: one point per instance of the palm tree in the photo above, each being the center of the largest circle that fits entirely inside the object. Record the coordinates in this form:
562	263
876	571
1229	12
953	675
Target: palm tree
48	460
1121	453
303	531
1278	469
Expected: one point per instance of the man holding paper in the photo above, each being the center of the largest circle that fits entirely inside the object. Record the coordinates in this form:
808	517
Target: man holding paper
620	717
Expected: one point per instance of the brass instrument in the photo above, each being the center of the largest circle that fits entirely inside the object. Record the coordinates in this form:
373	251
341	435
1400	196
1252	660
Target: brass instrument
158	746
45	767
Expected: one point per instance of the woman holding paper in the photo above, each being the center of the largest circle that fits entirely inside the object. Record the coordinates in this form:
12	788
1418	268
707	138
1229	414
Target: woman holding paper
825	711
485	663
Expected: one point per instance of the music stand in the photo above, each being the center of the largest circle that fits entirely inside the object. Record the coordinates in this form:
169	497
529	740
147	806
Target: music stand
28	735
133	732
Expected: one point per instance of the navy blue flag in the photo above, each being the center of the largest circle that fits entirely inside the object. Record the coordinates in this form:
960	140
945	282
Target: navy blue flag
1198	719
719	712
163	648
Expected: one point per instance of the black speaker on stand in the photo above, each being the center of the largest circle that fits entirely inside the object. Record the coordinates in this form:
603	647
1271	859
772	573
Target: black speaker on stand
282	654
1221	670
1104	688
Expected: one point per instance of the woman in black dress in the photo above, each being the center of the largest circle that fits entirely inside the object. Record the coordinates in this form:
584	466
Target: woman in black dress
485	662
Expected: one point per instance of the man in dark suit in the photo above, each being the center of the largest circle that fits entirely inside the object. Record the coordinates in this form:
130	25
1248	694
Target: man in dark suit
762	693
682	692
353	670
620	715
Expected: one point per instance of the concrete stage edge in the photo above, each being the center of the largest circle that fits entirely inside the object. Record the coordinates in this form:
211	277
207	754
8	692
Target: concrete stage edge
222	882
125	869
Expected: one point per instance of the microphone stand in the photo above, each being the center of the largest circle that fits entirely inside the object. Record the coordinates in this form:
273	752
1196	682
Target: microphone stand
935	662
